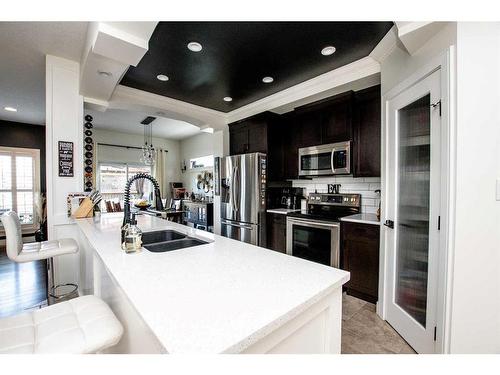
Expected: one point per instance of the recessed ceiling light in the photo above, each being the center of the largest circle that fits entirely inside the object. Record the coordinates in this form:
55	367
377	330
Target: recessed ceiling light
195	46
104	74
10	109
227	99
162	77
328	50
267	79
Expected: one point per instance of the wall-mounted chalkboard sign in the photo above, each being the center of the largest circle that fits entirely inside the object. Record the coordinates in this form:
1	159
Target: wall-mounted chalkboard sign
65	159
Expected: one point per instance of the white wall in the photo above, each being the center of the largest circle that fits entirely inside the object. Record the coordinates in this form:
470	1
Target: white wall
123	155
473	318
399	65
64	122
475	314
198	145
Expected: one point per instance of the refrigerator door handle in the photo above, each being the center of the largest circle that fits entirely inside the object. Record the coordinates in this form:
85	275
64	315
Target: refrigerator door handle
236	200
244	226
232	188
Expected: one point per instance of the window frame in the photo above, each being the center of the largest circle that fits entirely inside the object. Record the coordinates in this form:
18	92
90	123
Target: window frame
118	164
35	154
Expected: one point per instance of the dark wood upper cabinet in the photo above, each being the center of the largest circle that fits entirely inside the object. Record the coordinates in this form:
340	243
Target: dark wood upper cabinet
360	256
307	128
348	116
366	132
250	135
238	140
260	133
325	121
336	119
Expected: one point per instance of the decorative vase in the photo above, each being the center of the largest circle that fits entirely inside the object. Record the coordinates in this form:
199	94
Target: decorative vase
41	233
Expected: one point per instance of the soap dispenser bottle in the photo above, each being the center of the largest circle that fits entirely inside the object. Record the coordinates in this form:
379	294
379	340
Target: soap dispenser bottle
132	241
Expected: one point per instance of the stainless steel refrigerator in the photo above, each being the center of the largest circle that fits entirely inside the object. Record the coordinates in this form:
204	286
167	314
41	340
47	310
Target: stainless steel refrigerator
243	197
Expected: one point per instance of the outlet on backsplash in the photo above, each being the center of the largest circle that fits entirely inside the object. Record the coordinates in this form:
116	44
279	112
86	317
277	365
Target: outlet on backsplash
365	186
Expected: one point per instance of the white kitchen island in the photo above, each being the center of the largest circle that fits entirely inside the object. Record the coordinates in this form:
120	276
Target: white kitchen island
221	297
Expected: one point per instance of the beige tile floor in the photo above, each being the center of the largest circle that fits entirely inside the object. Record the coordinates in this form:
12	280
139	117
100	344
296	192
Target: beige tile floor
363	332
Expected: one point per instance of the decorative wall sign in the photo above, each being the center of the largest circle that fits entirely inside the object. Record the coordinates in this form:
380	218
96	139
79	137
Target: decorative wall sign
65	159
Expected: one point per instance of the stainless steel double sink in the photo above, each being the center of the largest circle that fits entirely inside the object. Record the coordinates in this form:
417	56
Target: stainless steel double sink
168	240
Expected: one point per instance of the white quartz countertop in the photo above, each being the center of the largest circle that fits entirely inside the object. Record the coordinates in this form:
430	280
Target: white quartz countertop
216	298
282	211
362	218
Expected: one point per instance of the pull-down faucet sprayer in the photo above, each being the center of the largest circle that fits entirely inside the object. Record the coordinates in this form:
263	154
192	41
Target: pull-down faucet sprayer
126	208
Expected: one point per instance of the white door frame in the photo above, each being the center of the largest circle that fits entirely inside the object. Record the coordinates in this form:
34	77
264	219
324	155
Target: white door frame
447	64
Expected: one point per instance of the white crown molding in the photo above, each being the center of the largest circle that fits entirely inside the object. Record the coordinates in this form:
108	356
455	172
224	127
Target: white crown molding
354	71
111	48
132	99
385	47
413	35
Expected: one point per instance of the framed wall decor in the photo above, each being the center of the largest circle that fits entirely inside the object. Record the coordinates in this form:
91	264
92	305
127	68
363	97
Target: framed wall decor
65	159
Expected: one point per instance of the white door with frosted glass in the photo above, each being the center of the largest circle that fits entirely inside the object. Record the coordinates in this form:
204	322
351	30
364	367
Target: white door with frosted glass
413	193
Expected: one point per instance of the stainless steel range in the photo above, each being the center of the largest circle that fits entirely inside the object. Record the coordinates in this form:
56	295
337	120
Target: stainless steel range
315	234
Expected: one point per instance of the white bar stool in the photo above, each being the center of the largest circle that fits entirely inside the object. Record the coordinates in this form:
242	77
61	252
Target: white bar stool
19	252
79	326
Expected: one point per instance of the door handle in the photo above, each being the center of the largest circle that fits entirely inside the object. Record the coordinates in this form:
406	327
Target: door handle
232	188
331	161
237	190
389	224
236	225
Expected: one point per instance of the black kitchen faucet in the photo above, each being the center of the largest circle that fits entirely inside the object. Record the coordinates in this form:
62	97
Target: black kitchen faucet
126	208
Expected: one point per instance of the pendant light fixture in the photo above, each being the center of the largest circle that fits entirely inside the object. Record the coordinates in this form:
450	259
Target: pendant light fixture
148	151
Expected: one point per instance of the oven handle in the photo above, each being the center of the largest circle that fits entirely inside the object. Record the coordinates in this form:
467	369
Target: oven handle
311	223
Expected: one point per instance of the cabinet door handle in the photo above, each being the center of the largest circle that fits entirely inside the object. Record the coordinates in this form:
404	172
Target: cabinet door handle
389	224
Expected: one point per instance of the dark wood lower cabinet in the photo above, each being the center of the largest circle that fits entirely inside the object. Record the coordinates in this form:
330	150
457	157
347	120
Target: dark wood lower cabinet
276	232
360	256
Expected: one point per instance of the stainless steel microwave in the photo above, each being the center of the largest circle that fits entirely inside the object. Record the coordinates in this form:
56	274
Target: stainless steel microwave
330	159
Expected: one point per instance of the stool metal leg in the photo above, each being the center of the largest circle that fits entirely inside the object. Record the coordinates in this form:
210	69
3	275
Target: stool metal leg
52	295
50	279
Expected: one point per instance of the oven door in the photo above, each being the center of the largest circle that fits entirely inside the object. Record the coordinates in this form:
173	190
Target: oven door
313	240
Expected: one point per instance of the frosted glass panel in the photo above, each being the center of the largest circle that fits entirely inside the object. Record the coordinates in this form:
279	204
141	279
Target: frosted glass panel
413	208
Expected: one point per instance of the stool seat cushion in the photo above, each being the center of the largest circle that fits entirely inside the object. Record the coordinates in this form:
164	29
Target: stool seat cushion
81	325
47	249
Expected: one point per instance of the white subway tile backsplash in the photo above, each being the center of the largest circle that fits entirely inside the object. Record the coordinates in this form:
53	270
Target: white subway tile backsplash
365	186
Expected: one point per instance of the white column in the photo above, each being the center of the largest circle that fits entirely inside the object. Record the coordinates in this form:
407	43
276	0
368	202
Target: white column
64	122
475	284
221	148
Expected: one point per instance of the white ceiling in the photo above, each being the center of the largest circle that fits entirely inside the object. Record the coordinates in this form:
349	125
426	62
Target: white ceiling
129	122
22	64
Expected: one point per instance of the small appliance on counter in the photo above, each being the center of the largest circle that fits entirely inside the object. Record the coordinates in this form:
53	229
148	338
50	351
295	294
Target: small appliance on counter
284	197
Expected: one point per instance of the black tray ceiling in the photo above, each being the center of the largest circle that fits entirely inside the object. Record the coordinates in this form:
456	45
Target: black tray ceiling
237	55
